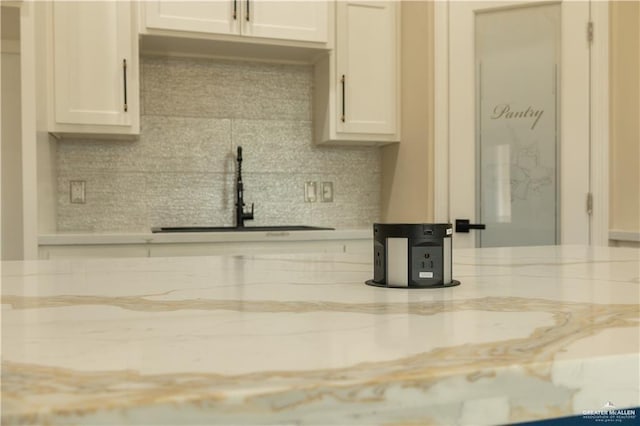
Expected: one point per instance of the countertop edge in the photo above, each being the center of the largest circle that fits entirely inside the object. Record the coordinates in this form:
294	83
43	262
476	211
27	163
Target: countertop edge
202	237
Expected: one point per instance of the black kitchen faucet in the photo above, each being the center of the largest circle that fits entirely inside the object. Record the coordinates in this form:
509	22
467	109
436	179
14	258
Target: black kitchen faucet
241	215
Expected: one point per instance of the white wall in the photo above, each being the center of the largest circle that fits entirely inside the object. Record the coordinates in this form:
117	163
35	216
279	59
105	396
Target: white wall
407	168
624	157
11	156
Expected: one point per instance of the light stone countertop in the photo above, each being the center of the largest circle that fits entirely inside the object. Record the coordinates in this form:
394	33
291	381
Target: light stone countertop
201	237
531	333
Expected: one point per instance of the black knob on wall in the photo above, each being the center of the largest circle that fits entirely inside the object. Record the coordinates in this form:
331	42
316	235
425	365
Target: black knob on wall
463	225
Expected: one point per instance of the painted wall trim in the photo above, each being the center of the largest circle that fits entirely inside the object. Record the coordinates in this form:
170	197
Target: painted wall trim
600	123
29	144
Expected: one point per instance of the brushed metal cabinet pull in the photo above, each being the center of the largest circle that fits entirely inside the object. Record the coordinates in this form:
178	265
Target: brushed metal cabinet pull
235	9
248	11
344	83
124	74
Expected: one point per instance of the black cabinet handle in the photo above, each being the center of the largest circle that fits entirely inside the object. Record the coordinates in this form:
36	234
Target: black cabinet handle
463	225
124	74
248	10
343	81
235	9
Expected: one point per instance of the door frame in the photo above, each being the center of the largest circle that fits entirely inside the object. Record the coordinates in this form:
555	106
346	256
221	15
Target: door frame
598	126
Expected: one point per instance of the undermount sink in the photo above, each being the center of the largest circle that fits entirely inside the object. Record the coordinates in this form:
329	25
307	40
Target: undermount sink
236	229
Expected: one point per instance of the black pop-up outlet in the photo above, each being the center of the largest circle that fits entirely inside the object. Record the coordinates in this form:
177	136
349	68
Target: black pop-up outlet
412	255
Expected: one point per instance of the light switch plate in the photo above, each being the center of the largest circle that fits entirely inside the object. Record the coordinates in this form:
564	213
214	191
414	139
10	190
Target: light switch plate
77	191
310	192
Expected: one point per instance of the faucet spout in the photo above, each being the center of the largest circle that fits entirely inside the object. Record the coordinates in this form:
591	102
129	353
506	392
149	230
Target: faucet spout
241	215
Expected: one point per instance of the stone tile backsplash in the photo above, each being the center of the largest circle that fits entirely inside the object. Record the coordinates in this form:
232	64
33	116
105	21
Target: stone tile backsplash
182	169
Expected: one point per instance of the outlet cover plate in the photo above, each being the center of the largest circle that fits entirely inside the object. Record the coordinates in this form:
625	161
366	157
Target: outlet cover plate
326	192
77	191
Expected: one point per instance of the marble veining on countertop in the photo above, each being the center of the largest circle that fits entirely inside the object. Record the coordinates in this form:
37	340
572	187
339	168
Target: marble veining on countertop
531	333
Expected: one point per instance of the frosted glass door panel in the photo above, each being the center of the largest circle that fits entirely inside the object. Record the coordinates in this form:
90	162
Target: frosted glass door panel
517	57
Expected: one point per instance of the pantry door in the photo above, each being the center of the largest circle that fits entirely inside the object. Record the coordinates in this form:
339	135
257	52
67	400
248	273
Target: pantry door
518	122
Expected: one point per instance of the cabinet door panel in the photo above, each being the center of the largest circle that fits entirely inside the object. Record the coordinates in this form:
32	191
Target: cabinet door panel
214	17
290	20
91	41
366	58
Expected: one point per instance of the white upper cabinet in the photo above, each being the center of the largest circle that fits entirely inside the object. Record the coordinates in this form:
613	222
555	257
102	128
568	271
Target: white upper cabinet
290	20
357	84
366	66
301	20
214	17
94	64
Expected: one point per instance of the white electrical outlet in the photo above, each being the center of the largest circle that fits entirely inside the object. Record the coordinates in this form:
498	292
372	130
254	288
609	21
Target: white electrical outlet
310	192
77	191
326	192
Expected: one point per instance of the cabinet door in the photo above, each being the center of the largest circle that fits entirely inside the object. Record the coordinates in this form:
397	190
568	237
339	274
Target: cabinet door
289	20
214	17
366	64
93	62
